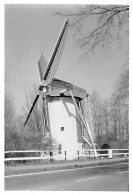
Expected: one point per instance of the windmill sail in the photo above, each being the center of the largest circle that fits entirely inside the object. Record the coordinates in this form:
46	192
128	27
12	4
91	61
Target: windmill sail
57	58
56	55
37	96
51	68
42	64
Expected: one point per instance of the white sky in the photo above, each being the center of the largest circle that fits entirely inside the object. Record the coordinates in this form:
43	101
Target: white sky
29	31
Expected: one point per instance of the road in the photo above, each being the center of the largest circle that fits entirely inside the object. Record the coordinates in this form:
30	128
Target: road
99	178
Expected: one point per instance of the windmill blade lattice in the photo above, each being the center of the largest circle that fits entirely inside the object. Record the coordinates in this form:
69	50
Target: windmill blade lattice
51	67
42	64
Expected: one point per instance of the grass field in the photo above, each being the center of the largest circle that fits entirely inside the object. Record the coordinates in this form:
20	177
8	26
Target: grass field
55	165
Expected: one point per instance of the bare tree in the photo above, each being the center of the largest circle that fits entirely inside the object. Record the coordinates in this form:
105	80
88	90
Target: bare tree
97	118
35	121
120	106
98	25
8	76
106	116
114	112
10	123
121	95
33	131
9	109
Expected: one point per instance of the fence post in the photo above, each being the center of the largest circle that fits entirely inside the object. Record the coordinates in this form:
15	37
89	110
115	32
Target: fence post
110	155
51	154
65	155
89	153
78	154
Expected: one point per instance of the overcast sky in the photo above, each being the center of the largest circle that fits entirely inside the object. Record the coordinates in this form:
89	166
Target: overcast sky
31	30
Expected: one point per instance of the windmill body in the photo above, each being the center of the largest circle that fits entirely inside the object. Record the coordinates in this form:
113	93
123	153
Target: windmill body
65	123
63	117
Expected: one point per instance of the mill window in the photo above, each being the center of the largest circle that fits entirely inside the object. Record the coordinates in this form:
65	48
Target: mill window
62	128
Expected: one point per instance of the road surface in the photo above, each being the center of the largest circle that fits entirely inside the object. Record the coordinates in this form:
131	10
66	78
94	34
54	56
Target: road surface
99	178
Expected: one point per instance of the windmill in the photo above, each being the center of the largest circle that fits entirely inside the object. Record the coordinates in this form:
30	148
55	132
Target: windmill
46	74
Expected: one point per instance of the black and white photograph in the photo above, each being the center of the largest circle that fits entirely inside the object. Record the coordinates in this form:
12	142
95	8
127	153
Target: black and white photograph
66	97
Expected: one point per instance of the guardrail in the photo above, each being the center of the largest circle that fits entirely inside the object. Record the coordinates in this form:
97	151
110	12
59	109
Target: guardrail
35	155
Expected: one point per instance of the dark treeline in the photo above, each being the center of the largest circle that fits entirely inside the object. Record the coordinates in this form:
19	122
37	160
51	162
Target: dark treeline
29	138
109	119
